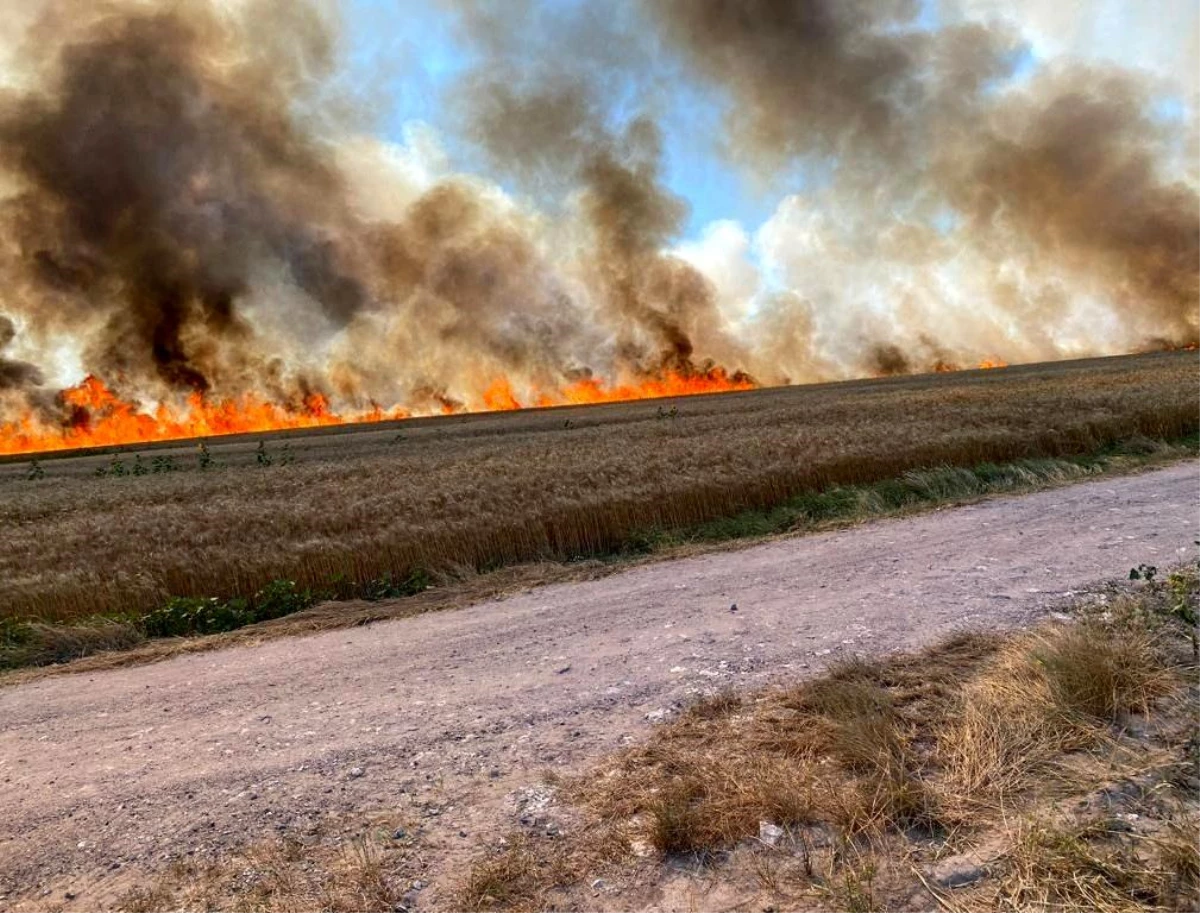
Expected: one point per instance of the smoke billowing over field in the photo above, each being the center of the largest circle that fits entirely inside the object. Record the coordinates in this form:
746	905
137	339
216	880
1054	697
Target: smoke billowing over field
197	211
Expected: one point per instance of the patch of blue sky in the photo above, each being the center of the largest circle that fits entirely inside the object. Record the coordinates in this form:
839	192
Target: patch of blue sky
407	55
1023	63
929	16
696	169
945	220
1169	109
404	56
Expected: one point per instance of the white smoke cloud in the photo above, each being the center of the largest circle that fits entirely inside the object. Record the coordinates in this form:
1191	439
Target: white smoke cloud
726	255
1162	38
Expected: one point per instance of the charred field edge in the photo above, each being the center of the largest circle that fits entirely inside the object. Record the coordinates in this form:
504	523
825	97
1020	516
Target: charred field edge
1053	768
228	543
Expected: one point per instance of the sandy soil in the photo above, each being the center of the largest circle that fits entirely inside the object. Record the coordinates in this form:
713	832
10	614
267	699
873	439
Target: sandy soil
450	719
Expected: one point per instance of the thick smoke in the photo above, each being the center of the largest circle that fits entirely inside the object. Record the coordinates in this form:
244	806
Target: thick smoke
1071	174
159	163
178	174
1053	193
189	201
14	374
844	78
539	105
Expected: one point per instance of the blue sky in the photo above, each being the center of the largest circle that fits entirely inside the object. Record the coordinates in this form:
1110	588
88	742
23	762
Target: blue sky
409	55
409	52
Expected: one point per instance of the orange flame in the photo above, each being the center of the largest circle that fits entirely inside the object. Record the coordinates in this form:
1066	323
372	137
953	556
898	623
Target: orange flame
946	367
94	416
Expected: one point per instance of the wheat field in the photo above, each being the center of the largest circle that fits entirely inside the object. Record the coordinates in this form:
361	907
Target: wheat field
121	532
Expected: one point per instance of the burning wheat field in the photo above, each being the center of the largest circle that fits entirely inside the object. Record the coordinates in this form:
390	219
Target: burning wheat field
211	222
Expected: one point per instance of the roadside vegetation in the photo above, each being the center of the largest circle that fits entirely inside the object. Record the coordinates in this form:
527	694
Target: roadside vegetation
1052	769
105	550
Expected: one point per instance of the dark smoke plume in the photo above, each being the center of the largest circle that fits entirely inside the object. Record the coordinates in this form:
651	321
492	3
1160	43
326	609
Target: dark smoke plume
160	164
831	77
1063	177
172	172
185	195
15	374
1077	178
540	113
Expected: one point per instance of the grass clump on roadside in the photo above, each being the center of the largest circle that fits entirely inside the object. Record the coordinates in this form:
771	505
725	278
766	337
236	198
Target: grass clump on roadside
1093	864
31	643
281	874
1050	769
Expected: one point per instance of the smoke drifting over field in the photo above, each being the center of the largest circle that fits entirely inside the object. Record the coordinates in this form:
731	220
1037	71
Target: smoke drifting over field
190	204
1061	191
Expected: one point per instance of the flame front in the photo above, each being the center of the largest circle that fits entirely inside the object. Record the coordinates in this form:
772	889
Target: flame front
92	415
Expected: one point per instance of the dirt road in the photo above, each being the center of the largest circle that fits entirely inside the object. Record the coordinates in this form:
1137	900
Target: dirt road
443	716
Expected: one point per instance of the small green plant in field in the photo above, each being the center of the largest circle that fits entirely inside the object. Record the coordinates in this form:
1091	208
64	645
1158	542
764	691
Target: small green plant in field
118	468
204	457
1181	586
388	587
1145	572
13	633
641	542
261	455
287	457
857	893
279	598
186	615
182	616
1179	589
35	471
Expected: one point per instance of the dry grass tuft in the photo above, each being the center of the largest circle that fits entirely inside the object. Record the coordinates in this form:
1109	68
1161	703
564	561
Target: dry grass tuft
526	872
1179	854
509	880
843	749
852	888
716	706
1106	677
1041	698
276	876
1097	865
